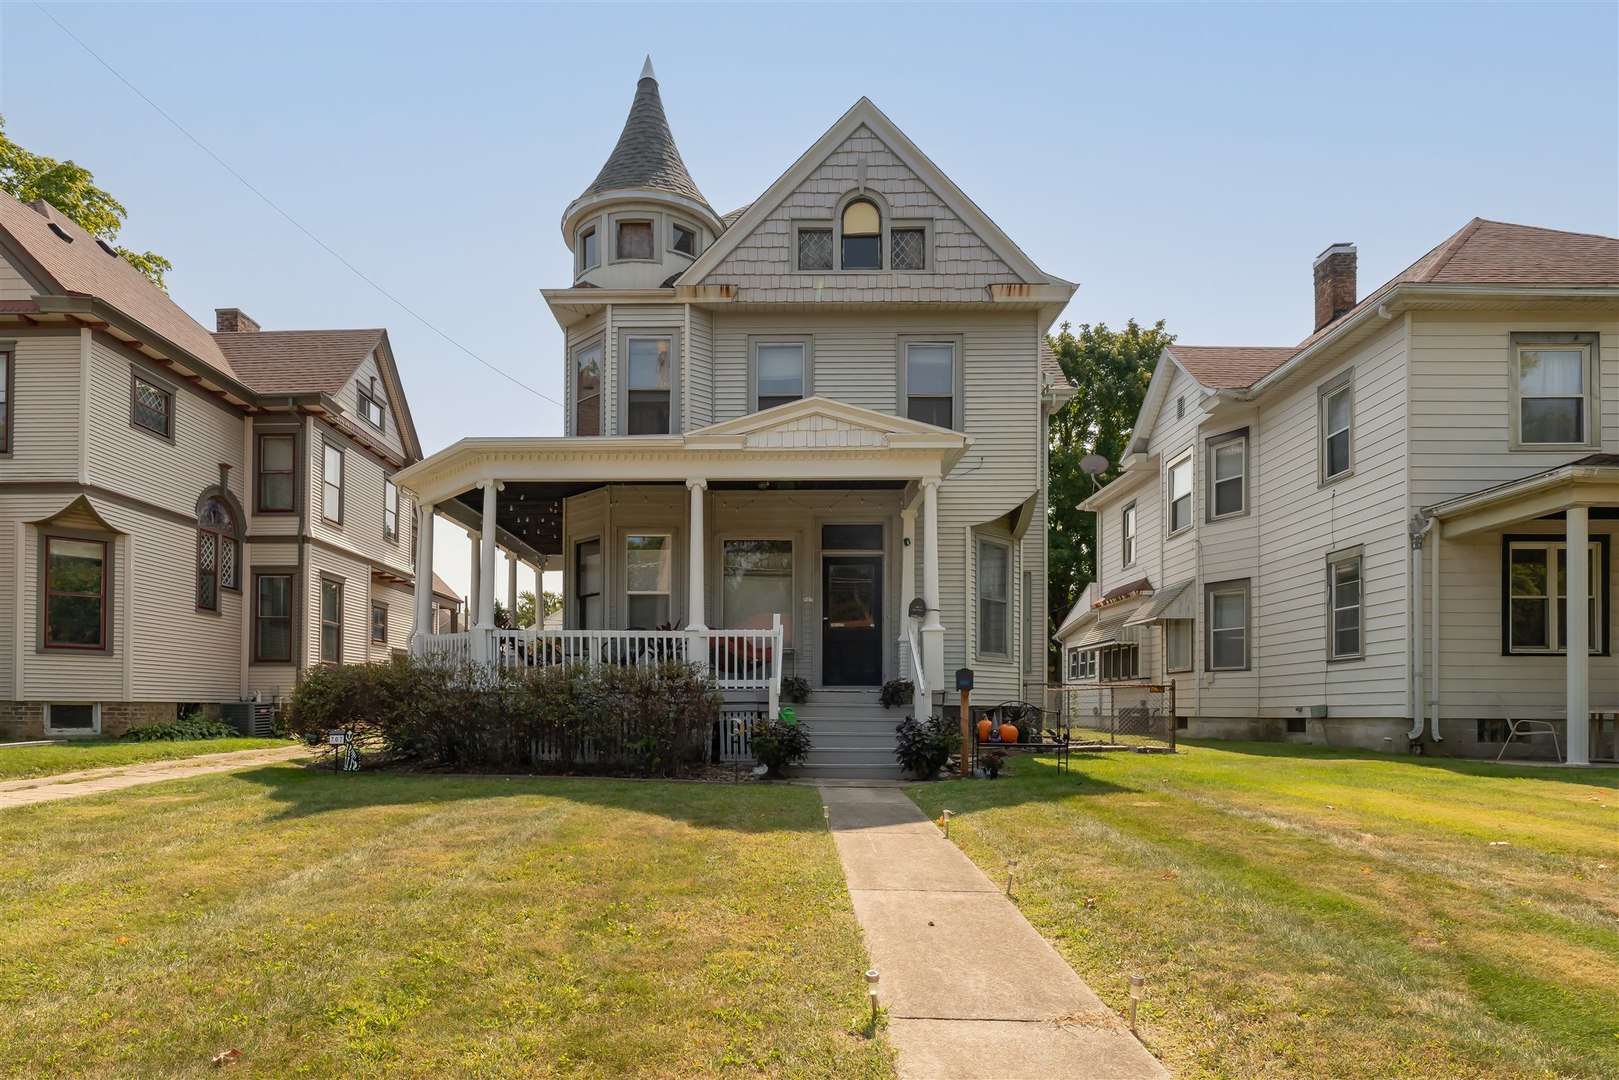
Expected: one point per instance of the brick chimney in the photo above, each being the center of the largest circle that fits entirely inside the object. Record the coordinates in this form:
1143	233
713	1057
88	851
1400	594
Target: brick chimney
231	320
1334	283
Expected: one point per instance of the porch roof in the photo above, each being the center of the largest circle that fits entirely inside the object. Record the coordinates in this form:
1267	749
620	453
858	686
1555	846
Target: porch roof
1591	481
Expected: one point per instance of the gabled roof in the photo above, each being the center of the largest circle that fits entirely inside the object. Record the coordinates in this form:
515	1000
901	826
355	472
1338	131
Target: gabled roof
1233	367
82	266
646	157
816	413
298	361
442	588
863	112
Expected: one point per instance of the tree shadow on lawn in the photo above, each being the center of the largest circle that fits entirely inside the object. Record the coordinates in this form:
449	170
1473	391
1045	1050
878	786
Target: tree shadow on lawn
1603	777
1022	780
305	790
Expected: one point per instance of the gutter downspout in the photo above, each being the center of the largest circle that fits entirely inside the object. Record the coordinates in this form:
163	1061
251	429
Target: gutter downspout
1417	530
1433	636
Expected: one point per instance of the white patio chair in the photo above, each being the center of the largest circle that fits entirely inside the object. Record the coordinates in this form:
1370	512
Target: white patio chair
1525	728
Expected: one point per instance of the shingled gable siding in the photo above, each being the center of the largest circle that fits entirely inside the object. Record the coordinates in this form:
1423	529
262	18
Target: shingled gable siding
765	265
1461	398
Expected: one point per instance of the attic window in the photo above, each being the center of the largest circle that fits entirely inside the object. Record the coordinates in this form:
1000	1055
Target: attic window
862	236
60	232
908	249
371	408
815	249
108	248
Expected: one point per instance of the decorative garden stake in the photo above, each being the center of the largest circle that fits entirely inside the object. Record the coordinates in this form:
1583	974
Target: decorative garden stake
1136	983
871	992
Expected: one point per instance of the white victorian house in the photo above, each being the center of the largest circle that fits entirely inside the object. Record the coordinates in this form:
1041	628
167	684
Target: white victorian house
787	427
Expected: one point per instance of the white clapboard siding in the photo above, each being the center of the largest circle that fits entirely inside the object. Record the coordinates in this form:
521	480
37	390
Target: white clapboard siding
638	317
45	407
580	334
765	265
360	532
699	406
1461	398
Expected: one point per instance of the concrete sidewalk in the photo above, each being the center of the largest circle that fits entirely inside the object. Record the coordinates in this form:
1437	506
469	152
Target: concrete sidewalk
972	990
41	789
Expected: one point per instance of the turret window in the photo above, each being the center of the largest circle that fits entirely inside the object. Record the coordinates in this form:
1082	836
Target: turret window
683	239
587	390
862	236
634	240
589	249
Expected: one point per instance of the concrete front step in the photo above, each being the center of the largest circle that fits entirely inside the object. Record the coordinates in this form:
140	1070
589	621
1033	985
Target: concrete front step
870	771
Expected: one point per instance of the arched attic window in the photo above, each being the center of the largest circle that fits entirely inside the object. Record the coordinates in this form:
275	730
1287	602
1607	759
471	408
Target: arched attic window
862	236
218	552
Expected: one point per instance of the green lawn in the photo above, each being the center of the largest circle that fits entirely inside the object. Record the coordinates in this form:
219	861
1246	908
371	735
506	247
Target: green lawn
382	925
1303	912
22	762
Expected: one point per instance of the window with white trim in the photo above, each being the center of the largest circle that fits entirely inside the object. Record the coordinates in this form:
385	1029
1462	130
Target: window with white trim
862	236
371	408
1337	407
1552	380
1345	605
930	380
1127	536
1081	665
1228	475
72	719
994	598
390	511
1535	575
682	239
648	579
1118	663
650	365
1178	644
780	372
331	481
1180	494
634	240
589	250
1225	612
587	390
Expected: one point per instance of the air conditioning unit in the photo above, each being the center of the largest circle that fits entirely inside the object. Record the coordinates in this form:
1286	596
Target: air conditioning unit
255	719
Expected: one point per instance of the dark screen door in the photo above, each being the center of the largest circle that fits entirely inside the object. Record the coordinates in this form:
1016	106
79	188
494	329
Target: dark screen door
852	624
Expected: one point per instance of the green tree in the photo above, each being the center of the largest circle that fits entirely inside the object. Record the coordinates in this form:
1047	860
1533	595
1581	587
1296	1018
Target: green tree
1110	370
71	188
525	607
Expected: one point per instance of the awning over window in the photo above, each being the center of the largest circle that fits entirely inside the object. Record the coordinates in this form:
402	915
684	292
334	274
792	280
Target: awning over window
1178	601
1107	629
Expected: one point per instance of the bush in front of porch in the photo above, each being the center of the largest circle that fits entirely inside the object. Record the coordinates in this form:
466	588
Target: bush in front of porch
652	719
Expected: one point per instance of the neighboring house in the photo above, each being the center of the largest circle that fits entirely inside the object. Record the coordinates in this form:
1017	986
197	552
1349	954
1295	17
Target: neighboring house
186	517
815	409
1273	541
446	607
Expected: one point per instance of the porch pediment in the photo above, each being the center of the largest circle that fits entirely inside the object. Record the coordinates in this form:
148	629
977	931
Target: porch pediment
818	423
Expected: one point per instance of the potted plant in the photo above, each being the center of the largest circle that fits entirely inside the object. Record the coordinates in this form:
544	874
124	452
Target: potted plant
897	692
922	747
992	762
795	688
775	744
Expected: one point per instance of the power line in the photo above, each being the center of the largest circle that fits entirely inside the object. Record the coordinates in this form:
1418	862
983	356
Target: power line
406	308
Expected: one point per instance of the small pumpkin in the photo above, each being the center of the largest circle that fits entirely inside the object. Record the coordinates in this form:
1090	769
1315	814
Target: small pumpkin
983	730
1009	733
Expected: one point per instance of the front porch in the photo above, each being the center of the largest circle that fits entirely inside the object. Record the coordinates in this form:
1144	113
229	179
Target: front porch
779	545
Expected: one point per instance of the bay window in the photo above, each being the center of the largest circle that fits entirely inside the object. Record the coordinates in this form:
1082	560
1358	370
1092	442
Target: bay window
648	580
276	459
587	390
331	621
76	591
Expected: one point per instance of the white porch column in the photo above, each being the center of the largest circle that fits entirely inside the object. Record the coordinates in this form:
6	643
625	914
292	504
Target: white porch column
486	555
477	586
907	583
932	628
511	587
696	547
1578	644
423	624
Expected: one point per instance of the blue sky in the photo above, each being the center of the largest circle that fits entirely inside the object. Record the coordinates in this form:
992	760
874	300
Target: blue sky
1183	162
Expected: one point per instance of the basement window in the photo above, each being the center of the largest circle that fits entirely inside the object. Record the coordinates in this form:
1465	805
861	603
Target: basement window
66	719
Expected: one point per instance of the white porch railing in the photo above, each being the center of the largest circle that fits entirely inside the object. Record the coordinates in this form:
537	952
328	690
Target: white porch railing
737	660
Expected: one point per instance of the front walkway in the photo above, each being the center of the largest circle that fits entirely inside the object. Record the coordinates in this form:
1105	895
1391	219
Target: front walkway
41	789
972	990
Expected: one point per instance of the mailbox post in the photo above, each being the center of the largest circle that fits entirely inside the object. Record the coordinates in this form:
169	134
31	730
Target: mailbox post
964	683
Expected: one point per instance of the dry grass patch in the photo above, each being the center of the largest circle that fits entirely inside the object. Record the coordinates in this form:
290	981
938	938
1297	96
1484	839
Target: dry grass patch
26	762
1299	911
377	925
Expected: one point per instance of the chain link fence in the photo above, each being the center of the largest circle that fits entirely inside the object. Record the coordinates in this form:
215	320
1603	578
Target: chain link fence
1120	714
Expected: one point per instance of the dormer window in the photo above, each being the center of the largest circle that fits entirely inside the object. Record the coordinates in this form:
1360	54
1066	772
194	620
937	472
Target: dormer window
371	407
683	239
862	236
634	240
589	250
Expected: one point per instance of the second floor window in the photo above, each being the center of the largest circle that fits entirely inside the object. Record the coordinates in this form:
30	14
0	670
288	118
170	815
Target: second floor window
152	408
390	511
331	621
930	382
587	390
1180	494
1337	429
275	480
1127	536
649	386
331	484
1553	389
218	553
5	402
779	372
1228	475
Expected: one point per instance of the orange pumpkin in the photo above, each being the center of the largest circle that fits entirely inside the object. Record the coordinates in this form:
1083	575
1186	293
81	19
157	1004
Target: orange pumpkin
1009	733
983	730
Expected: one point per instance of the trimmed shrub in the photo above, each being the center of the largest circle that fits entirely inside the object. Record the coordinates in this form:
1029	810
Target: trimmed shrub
652	720
189	726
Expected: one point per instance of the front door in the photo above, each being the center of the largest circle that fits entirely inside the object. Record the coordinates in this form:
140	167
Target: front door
852	624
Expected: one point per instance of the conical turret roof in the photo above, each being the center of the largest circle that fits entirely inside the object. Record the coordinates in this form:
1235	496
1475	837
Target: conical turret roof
646	155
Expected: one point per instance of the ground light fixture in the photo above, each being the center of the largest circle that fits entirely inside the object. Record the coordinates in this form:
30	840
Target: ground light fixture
871	991
826	815
1136	984
945	817
1011	868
